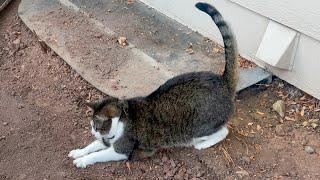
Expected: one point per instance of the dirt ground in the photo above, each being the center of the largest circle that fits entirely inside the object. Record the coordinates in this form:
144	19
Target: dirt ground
42	118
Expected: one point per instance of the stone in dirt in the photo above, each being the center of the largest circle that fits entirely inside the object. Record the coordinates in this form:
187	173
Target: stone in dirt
17	41
309	149
246	159
280	130
279	107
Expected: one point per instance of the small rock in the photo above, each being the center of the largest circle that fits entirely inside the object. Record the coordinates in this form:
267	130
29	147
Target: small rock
22	176
180	175
200	174
279	107
17	41
20	106
246	159
5	123
122	41
165	159
2	138
168	174
172	163
280	131
309	149
304	141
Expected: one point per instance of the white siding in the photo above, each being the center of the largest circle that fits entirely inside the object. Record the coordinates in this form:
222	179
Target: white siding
249	27
303	16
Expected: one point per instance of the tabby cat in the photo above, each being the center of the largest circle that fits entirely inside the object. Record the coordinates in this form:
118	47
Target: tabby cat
189	110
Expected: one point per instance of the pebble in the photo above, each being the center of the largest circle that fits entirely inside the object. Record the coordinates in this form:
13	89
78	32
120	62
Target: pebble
304	141
172	163
165	159
17	41
2	138
246	159
180	175
279	107
200	174
5	123
20	106
280	131
309	149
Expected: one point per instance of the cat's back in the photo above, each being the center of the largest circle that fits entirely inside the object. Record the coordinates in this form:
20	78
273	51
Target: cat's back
193	84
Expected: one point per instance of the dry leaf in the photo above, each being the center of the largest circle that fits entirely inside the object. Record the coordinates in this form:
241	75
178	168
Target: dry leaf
128	166
242	172
130	1
305	123
314	125
314	120
289	118
302	111
258	127
245	63
122	41
261	113
190	50
303	98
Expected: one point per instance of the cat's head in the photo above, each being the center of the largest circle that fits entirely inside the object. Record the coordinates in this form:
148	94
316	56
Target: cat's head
106	117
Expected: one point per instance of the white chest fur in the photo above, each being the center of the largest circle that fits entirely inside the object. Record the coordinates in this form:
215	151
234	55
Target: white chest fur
116	131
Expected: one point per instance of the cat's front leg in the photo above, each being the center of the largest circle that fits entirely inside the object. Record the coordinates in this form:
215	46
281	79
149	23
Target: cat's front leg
93	147
101	156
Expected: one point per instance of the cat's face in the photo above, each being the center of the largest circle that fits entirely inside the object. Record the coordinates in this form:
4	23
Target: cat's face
105	118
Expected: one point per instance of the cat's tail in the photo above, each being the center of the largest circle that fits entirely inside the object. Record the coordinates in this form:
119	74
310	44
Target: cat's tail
230	45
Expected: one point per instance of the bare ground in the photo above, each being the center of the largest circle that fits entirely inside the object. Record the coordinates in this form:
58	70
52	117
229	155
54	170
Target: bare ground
42	118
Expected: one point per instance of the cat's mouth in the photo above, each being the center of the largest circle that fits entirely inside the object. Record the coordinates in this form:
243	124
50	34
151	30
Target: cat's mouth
111	137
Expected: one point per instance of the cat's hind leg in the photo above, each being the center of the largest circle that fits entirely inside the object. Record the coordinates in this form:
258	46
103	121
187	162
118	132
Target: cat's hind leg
101	156
208	141
93	147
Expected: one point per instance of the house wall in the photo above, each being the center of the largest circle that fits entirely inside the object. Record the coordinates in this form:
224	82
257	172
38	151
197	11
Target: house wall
249	20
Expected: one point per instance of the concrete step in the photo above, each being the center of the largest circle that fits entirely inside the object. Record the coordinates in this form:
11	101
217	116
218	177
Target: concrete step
85	33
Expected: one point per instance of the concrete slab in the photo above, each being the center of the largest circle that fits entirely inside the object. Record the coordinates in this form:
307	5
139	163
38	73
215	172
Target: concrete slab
84	34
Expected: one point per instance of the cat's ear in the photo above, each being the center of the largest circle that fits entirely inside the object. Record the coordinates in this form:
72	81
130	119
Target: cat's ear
95	104
91	105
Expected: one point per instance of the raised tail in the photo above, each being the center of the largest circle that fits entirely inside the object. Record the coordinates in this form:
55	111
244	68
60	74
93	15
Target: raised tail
230	45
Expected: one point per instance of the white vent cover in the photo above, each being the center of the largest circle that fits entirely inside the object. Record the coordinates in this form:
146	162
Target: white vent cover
278	46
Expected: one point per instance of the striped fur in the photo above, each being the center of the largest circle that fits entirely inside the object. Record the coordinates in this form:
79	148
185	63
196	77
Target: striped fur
231	54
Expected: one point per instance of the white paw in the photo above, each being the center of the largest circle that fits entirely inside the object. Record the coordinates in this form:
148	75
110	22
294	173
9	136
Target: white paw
199	147
80	162
76	153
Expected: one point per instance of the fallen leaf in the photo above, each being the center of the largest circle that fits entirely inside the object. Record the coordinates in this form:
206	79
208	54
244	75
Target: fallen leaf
314	125
279	107
305	123
303	98
130	1
242	172
122	41
314	120
261	113
245	63
302	111
128	166
190	50
289	118
258	127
